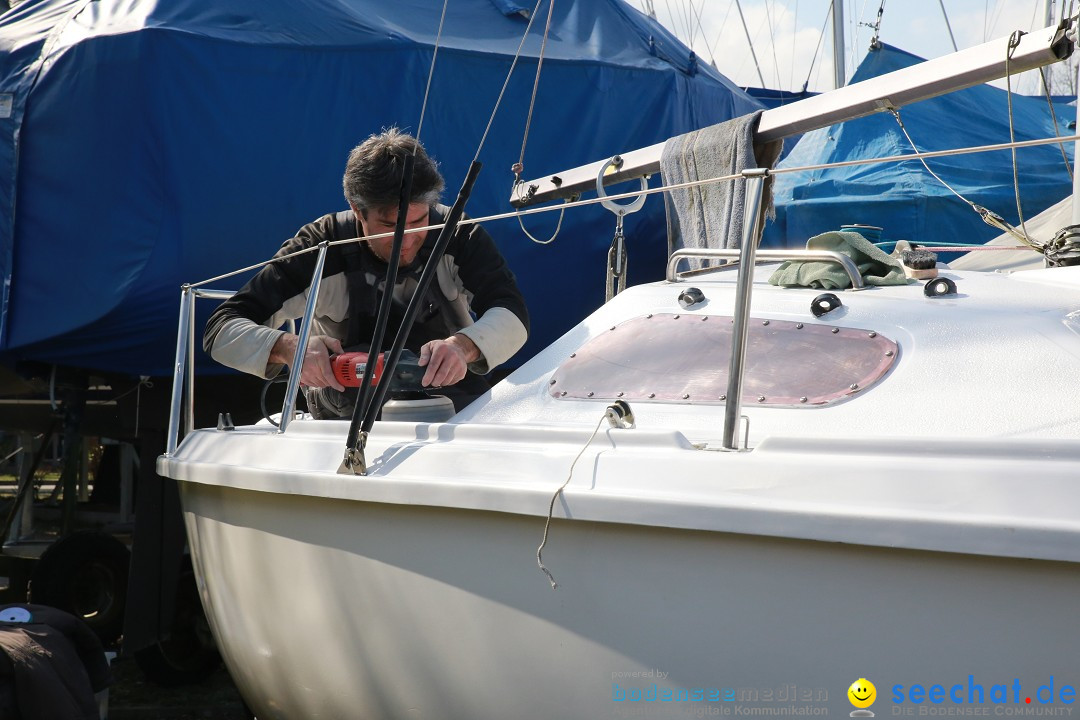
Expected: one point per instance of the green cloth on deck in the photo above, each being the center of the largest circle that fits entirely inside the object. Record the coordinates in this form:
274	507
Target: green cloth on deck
876	267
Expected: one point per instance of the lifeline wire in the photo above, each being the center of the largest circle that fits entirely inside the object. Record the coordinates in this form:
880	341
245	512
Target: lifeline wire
551	506
678	186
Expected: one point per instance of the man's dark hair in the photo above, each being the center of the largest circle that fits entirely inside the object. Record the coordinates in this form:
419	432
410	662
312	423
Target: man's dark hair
373	172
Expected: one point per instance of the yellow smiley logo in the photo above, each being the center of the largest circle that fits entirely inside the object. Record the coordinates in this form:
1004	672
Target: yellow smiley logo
862	693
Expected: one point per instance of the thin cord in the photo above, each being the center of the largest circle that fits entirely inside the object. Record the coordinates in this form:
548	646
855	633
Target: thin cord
558	226
551	506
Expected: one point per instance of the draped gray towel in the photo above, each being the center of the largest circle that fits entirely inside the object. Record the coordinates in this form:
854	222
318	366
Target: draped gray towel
711	216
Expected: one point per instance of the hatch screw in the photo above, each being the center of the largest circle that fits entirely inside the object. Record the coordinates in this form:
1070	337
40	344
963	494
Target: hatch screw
802	399
652	395
676	317
686	396
612	327
888	353
835	330
764	322
761	398
873	334
704	318
573	355
591	393
648	316
854	386
799	326
552	381
619	394
562	394
723	397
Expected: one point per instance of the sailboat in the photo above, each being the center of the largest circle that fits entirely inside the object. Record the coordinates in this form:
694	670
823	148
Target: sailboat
873	510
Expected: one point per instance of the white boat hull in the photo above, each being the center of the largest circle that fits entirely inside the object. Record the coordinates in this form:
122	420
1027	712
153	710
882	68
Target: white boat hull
915	525
327	608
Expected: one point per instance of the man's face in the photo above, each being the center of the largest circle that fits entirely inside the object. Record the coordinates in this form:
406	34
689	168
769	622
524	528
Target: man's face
376	221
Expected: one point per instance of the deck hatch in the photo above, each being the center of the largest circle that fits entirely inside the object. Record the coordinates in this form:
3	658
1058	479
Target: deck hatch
684	359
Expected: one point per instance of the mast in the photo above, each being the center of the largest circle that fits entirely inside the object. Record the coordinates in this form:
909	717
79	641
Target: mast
839	79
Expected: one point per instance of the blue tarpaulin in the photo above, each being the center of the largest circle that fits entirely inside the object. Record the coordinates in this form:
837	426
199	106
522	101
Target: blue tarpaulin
903	198
145	143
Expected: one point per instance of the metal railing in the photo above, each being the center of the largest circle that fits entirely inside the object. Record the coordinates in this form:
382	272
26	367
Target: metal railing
735	254
182	402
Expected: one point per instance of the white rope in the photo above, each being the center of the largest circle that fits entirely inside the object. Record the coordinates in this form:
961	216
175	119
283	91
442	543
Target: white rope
551	506
665	188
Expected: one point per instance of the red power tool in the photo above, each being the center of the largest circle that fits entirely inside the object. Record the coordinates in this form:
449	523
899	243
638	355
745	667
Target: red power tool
349	370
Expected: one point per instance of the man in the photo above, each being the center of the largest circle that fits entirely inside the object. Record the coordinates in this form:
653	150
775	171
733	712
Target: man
454	349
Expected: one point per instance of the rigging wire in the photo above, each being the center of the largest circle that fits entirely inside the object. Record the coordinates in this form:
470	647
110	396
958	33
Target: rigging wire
1014	41
750	42
704	40
677	21
820	42
1053	118
506	82
431	74
988	216
875	41
999	6
519	167
772	43
794	38
723	24
948	26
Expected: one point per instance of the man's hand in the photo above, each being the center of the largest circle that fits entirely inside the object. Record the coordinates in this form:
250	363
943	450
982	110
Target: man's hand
316	363
447	360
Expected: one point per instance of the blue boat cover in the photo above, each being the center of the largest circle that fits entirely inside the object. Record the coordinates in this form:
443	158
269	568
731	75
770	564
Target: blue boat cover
146	144
903	198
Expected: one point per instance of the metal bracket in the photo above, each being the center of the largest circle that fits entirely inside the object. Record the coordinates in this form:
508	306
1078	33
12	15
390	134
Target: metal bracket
355	462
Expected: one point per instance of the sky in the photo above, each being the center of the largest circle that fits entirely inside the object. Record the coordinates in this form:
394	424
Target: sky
786	34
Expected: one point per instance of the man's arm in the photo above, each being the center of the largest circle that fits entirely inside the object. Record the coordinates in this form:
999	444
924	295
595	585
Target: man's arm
242	333
502	325
448	360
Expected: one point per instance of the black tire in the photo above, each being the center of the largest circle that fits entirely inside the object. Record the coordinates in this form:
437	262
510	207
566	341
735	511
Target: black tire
189	654
86	574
